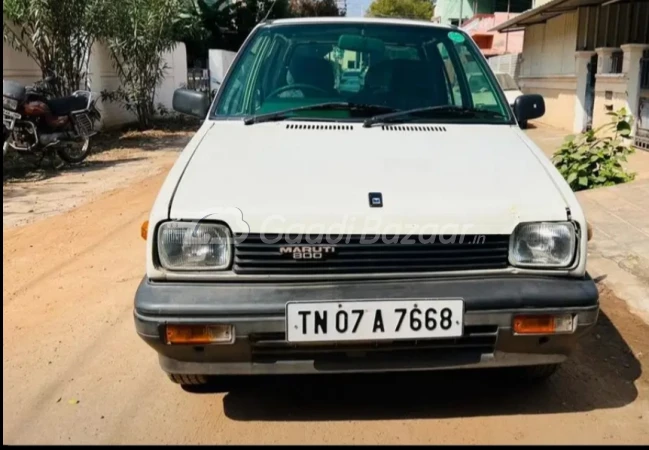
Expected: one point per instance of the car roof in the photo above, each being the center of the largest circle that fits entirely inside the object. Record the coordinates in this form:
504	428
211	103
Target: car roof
377	20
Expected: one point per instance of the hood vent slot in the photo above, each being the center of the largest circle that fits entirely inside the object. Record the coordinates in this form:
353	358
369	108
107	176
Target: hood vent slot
429	128
336	127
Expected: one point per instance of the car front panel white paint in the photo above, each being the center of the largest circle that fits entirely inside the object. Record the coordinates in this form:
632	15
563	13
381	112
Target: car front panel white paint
304	177
473	175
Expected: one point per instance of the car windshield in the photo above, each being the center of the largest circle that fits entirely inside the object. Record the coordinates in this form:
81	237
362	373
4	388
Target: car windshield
506	82
397	67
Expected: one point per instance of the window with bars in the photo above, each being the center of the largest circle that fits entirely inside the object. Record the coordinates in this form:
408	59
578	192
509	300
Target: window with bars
644	70
617	60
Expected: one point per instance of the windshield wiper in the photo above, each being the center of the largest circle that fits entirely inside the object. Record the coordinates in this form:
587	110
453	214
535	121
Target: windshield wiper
437	110
286	114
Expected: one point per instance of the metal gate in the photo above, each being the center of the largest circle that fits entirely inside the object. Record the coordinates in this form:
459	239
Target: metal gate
642	123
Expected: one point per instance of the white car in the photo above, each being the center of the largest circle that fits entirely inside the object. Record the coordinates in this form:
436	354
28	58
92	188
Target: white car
396	228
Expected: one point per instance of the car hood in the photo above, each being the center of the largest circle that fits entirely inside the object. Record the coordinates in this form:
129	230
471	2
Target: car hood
302	177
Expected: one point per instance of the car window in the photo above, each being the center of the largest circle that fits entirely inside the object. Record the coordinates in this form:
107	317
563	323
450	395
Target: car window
483	93
455	93
398	66
232	99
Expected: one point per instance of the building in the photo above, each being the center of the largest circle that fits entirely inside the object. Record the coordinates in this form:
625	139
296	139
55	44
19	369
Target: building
587	58
478	18
456	12
493	43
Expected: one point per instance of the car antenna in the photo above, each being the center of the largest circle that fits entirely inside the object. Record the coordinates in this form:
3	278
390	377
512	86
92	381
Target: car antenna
270	9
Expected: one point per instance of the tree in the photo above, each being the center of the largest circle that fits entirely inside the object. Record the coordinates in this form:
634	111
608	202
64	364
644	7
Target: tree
202	25
250	13
407	9
57	34
315	8
138	33
222	24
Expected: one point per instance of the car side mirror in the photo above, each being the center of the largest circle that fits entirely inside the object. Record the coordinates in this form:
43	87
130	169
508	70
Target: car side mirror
192	103
528	107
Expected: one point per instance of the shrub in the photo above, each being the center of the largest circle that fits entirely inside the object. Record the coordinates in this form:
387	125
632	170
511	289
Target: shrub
594	158
138	33
57	34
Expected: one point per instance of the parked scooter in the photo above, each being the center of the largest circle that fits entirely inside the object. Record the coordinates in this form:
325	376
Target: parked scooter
35	121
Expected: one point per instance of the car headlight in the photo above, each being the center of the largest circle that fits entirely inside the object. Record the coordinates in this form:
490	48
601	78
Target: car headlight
543	245
194	246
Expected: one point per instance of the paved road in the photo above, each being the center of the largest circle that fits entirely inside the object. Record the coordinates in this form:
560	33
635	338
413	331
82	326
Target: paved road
75	372
619	252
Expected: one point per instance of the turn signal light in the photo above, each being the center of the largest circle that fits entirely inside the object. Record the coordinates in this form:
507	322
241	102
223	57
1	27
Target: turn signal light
544	324
144	229
199	334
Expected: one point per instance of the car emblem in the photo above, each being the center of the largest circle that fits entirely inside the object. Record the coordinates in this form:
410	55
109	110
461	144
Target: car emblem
308	252
376	200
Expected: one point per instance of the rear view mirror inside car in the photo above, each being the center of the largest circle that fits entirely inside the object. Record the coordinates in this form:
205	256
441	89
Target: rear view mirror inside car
360	44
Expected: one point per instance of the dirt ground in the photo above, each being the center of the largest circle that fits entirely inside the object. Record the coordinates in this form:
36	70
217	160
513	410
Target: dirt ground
33	191
74	370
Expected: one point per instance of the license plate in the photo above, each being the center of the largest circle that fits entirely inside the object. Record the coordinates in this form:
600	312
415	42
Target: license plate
334	321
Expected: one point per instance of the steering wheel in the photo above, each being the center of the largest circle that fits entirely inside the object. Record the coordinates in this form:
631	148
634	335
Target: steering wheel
298	87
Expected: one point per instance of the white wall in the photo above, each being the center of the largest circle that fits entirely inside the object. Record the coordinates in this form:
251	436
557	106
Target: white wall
450	9
19	67
509	63
549	48
219	64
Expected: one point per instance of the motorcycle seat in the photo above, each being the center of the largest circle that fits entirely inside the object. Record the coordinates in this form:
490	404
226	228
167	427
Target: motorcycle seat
65	105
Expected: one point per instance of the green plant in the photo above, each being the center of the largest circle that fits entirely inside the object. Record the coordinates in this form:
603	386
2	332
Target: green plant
315	8
57	34
138	33
594	158
222	24
407	9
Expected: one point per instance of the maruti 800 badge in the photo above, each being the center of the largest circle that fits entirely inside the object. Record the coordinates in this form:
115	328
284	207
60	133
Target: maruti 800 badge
308	252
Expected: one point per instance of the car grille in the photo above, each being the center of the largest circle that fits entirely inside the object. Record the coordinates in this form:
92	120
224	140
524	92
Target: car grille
274	254
478	339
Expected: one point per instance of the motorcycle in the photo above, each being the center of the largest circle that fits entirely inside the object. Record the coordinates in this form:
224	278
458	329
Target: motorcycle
35	121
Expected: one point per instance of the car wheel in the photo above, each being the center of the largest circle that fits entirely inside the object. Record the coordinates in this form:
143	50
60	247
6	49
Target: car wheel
537	374
188	380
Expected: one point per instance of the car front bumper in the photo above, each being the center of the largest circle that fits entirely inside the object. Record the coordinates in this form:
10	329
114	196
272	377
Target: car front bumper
257	313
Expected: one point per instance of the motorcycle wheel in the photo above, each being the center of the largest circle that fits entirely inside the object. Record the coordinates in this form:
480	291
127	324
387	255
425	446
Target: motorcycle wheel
74	157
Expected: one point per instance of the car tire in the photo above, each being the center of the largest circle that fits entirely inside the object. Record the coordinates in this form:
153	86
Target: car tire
188	380
537	374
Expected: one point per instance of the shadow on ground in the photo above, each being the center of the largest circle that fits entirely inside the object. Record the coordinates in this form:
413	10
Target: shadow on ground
600	375
36	172
172	133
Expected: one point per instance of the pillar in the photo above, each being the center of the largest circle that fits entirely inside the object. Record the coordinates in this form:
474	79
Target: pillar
604	55
631	67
